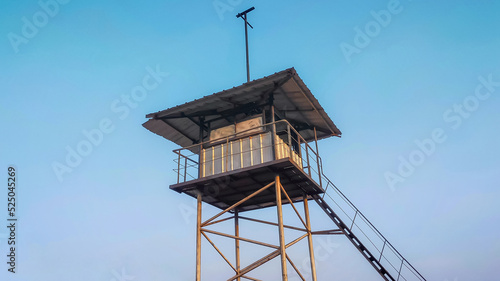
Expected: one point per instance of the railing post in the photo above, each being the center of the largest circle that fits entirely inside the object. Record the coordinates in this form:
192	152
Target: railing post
300	151
326	189
201	162
401	267
185	167
316	141
273	139
353	219
250	143
317	158
319	171
383	247
307	158
201	120
289	140
241	153
178	166
227	154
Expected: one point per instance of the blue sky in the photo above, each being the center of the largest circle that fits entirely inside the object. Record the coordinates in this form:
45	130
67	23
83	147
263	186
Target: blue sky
112	213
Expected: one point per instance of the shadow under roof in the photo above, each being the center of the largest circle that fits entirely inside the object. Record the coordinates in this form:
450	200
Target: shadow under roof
180	124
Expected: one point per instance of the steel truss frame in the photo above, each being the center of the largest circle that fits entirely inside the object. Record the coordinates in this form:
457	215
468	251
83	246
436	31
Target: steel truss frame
279	250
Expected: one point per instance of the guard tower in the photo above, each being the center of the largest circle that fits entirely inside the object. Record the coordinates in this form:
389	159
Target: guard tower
255	146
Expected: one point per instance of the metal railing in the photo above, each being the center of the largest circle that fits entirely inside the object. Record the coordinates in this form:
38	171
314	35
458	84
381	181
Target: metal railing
247	148
387	255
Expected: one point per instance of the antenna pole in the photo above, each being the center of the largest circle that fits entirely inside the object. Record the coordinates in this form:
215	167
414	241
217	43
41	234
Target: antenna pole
243	15
246	45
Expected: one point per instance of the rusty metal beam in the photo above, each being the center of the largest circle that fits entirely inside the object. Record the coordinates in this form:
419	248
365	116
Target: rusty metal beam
295	268
293	206
218	251
284	274
265	259
327	232
238	203
272	223
198	240
240	238
237	242
309	239
218	221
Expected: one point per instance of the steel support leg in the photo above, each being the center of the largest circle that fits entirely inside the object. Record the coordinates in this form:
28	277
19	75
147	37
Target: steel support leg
309	238
237	242
198	240
281	229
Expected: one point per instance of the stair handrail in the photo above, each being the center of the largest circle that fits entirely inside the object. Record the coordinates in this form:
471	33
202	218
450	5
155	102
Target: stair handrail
400	256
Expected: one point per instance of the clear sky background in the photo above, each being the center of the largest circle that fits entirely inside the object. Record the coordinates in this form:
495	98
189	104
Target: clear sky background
65	71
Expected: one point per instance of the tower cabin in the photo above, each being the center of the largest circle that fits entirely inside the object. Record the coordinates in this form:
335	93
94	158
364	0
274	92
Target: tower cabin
235	141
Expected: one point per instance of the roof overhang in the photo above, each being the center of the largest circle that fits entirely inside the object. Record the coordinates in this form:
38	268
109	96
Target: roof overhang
291	97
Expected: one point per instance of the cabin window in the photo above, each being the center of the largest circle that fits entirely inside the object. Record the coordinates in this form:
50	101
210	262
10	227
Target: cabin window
250	126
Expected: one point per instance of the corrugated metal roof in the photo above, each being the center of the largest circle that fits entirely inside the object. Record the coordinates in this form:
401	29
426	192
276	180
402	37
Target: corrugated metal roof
291	97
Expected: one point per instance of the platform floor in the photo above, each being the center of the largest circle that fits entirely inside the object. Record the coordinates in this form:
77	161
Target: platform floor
225	189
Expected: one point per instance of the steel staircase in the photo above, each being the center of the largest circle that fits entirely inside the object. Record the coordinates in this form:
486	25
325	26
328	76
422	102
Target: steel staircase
379	252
